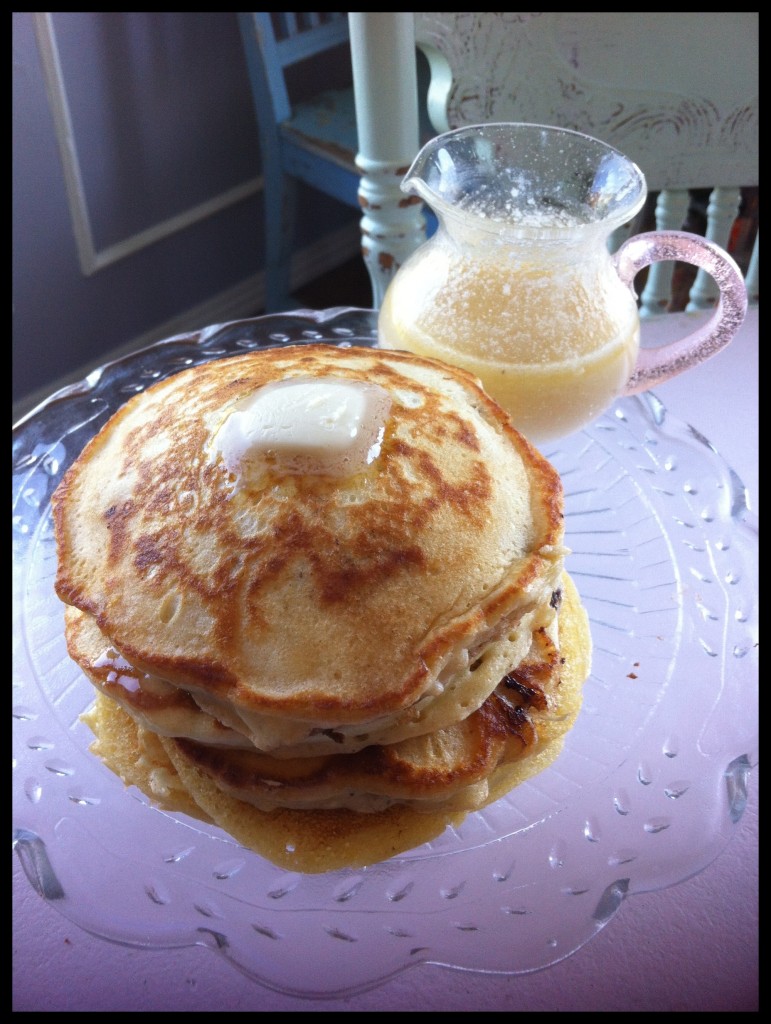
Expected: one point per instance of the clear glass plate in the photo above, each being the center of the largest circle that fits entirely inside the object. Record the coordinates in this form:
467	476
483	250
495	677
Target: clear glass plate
647	791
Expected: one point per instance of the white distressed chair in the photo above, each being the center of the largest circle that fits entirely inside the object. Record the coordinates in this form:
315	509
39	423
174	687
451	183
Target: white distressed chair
676	92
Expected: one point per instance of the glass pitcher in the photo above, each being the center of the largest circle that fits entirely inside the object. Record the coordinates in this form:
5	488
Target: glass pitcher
519	287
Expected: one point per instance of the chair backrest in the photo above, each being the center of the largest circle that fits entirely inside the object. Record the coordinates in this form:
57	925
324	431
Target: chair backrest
306	126
676	92
286	39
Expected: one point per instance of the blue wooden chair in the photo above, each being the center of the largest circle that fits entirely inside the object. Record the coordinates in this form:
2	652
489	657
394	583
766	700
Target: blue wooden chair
313	141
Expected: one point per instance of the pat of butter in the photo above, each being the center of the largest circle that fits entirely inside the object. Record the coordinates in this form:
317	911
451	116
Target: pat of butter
327	426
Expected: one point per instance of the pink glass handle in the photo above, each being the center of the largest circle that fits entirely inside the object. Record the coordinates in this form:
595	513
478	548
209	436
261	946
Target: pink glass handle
655	365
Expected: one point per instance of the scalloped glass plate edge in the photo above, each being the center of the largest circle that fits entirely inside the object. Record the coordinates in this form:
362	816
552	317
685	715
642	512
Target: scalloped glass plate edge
550	866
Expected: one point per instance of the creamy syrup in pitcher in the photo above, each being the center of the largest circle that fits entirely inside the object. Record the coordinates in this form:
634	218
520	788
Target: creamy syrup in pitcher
554	345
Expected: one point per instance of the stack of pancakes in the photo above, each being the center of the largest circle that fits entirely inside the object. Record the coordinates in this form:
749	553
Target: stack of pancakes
330	667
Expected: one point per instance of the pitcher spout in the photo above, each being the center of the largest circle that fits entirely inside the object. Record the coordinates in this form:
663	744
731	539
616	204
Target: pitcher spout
532	177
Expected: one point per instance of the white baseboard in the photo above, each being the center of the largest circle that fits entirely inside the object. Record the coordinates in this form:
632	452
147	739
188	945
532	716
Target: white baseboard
244	299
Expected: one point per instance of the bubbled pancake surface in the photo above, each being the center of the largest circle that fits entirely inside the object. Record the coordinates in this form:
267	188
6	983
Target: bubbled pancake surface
335	602
326	839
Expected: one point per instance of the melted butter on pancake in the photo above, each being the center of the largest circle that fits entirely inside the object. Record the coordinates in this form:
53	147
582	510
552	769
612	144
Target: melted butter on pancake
118	670
327	426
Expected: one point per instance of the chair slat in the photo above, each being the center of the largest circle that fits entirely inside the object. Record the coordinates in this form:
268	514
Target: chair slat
309	42
722	209
671	211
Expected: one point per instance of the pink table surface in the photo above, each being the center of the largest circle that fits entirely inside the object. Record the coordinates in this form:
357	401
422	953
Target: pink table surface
693	947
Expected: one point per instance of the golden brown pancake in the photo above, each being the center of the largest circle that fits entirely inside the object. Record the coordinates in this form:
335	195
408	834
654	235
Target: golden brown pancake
330	662
547	692
448	768
316	614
